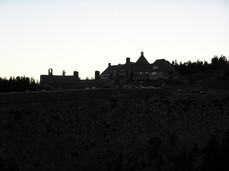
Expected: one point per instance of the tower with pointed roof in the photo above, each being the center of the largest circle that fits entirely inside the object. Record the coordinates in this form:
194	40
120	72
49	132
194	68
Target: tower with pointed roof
142	59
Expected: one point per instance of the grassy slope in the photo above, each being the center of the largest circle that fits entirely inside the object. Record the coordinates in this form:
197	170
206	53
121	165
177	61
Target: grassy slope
107	129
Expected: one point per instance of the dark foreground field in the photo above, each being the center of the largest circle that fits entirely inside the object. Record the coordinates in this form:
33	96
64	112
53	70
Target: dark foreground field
114	129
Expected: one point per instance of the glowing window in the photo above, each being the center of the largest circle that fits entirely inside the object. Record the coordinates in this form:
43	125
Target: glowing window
155	67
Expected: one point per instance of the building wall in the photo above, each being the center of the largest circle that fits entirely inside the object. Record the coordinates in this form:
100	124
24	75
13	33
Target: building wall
68	82
140	71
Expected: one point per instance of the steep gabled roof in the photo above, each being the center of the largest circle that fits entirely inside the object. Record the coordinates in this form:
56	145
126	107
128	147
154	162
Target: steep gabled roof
164	65
142	59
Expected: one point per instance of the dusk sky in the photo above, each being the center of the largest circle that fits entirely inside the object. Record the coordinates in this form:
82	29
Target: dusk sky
86	35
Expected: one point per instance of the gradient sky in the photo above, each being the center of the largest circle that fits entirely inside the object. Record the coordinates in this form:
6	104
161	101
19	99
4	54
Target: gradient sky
85	35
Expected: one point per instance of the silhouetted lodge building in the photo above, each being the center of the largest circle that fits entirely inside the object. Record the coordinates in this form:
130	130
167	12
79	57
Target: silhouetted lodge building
141	70
68	81
128	73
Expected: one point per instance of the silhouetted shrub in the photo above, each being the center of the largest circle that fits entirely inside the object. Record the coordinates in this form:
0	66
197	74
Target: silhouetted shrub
113	102
225	151
154	145
225	75
183	161
12	166
8	164
118	164
173	139
75	155
212	158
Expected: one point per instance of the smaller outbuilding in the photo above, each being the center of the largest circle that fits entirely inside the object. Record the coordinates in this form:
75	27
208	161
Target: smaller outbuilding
68	81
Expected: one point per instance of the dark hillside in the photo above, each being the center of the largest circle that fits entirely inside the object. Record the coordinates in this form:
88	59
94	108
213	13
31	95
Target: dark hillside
113	129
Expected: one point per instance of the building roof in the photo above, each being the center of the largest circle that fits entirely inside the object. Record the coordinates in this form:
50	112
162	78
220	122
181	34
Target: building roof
165	65
142	59
112	67
142	65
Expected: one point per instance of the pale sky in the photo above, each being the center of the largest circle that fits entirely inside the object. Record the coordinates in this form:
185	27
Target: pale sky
85	35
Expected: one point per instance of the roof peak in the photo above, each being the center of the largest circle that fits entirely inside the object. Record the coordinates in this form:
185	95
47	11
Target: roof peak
142	59
142	53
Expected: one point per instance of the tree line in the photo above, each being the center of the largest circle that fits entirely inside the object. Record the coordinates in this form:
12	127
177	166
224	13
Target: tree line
217	65
188	68
17	84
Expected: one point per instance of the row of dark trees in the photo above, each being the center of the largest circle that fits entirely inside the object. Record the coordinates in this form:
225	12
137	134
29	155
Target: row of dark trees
17	84
187	68
217	64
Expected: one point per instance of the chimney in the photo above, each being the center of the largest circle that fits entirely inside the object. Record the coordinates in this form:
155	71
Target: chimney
127	60
50	71
97	75
127	70
76	74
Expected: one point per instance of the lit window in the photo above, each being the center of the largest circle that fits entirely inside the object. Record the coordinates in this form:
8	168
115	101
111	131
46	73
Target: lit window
155	67
154	73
